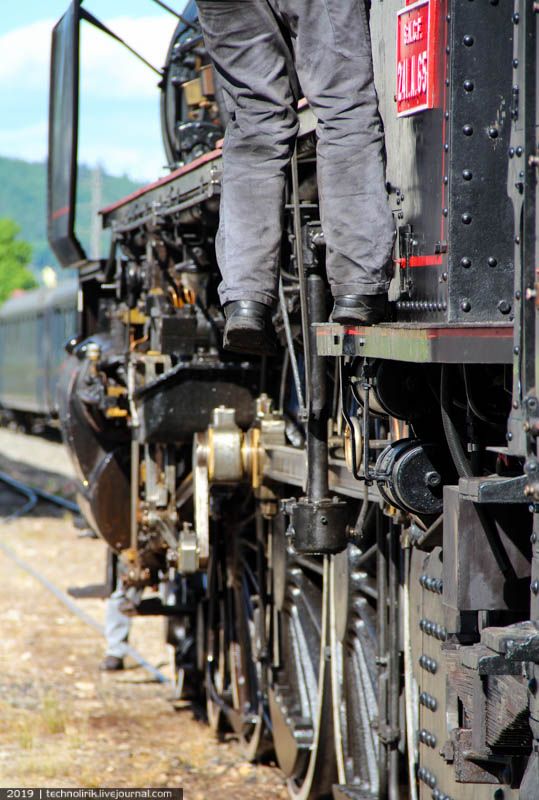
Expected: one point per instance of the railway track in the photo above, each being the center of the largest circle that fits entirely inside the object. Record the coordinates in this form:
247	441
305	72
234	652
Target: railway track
32	495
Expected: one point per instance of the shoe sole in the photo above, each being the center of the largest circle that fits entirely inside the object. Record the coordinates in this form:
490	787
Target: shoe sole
244	340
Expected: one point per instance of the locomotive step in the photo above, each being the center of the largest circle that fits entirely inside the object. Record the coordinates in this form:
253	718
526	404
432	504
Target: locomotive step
419	344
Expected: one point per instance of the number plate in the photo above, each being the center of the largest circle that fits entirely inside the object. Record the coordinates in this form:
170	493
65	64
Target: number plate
416	57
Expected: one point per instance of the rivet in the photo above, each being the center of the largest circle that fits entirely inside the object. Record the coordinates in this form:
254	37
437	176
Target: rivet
509	436
467	174
465	305
511	152
535	587
466	218
492	262
446	115
493	132
446	147
466	262
468	85
515	63
516	351
533	538
519	151
445	212
467	130
446	180
504	307
468	40
516	18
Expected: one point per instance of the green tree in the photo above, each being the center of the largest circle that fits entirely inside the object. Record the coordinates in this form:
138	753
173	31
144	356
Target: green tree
15	255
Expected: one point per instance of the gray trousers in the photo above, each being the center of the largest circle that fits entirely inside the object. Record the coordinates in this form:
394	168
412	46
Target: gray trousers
117	624
263	50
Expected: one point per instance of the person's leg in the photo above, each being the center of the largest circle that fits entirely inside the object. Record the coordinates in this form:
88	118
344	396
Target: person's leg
117	627
254	66
334	65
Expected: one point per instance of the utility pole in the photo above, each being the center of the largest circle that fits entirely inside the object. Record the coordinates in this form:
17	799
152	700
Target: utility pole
96	202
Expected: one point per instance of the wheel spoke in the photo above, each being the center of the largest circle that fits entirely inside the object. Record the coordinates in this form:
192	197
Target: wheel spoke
299	698
353	660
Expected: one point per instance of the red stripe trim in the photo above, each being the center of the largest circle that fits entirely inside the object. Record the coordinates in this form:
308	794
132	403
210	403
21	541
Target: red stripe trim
61	212
478	333
420	261
431	333
425	261
198	162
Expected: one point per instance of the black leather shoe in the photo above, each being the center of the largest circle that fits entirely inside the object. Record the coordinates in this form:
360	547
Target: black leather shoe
111	664
359	309
249	328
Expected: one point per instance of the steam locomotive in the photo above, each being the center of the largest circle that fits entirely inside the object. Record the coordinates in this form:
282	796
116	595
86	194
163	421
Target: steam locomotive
344	537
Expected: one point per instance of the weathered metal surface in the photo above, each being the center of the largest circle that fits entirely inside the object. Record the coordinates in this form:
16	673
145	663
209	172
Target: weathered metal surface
486	561
494	489
420	344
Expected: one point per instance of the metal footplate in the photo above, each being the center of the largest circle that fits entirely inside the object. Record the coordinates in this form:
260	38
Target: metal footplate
420	344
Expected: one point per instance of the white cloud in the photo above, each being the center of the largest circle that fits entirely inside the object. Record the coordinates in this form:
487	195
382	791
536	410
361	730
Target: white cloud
28	143
109	75
24	56
107	68
135	162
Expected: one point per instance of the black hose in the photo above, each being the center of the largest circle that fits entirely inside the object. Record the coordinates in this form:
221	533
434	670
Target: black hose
26	491
33	494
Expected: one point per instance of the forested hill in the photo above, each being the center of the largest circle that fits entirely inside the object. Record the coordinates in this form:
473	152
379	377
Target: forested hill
23	199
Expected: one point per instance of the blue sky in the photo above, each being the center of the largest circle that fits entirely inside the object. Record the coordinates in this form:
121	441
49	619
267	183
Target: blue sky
120	102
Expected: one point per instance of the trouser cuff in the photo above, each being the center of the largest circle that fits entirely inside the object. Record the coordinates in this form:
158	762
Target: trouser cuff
360	288
228	296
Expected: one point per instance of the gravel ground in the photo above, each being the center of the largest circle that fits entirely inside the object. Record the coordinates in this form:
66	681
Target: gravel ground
62	722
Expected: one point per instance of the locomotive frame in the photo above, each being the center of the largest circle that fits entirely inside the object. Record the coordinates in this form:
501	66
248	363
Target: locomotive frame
344	537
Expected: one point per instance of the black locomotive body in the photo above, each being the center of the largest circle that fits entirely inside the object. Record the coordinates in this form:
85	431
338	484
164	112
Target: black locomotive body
344	537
